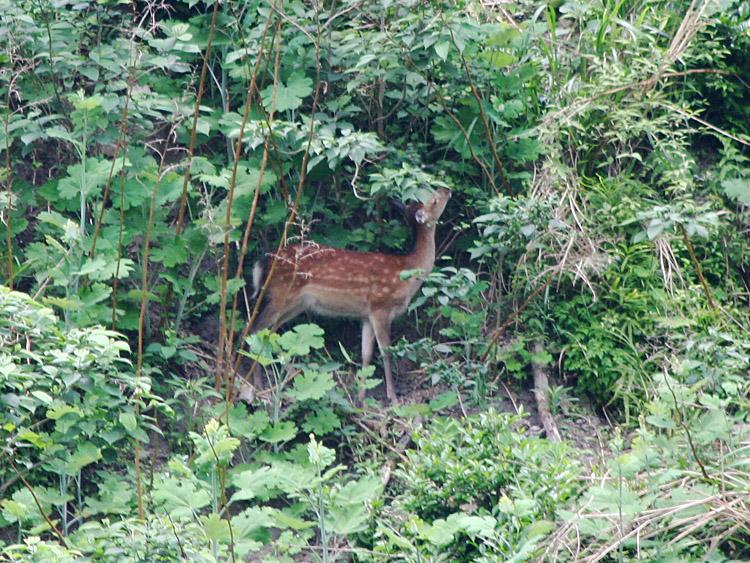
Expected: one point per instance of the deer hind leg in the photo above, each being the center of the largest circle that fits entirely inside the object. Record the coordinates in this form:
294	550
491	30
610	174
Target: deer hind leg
381	324
368	342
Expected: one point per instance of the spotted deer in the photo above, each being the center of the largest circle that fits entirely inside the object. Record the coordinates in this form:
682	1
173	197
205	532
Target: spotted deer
343	283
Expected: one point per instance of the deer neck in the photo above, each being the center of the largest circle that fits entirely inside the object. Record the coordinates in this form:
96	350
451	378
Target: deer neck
422	255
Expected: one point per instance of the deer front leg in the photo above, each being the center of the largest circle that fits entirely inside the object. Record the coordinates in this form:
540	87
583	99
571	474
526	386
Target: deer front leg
381	324
368	342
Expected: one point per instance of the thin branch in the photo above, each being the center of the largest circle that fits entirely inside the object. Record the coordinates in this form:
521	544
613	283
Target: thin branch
36	500
697	266
123	131
465	133
194	127
256	195
501	329
482	115
220	351
142	315
292	213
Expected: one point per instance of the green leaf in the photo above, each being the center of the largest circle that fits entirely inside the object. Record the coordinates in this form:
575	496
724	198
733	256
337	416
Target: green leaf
738	190
88	180
542	358
347	520
127	419
358	492
60	410
301	339
318	454
171	252
252	483
499	59
180	497
322	421
86	454
43	397
247	425
442	532
215	527
442	49
539	528
444	401
115	497
412	410
281	432
289	96
311	385
283	520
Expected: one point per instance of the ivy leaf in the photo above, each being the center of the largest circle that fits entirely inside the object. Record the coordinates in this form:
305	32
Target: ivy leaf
321	421
215	527
247	426
281	432
288	96
312	385
253	483
302	338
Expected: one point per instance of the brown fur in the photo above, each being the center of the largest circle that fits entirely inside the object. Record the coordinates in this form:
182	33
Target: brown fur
344	283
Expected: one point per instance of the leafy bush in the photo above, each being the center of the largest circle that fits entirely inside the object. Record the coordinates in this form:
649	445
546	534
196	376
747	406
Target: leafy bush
482	477
69	399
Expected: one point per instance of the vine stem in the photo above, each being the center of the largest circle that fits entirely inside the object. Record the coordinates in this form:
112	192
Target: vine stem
501	329
31	490
482	114
292	212
9	190
194	128
142	315
697	266
220	351
256	197
685	428
119	145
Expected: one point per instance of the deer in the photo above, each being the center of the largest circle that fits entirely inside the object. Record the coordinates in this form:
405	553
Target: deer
343	283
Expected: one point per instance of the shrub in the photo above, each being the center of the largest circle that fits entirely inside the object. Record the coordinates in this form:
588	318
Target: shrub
482	476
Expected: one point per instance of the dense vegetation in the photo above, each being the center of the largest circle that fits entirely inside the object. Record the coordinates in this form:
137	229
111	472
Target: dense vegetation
597	238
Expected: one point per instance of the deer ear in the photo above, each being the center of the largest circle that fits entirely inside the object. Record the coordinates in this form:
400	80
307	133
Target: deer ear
421	216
